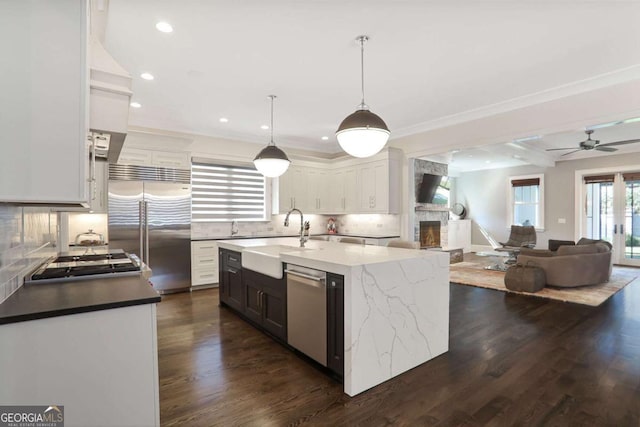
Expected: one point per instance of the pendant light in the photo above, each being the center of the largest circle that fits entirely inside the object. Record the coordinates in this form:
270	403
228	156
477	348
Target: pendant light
363	133
271	161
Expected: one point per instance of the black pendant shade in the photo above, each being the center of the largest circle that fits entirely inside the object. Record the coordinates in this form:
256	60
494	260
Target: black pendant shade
271	152
363	119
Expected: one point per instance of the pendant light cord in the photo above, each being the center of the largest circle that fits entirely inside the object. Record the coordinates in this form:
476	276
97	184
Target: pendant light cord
362	67
272	97
362	40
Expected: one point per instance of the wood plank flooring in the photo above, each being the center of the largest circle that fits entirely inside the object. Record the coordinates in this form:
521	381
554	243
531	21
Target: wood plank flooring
513	361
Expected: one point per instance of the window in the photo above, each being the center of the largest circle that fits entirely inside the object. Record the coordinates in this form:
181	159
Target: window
227	193
526	200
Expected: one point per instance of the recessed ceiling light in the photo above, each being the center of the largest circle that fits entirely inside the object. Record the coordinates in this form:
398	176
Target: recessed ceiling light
325	138
136	105
164	27
223	120
147	76
487	161
265	127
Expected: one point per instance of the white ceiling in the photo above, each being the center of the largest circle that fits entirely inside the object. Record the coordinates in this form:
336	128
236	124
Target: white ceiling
425	61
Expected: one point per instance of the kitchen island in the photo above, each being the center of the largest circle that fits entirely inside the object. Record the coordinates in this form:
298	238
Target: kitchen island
396	303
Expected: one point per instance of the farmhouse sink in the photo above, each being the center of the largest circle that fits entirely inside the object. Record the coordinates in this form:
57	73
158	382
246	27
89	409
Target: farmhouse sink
266	259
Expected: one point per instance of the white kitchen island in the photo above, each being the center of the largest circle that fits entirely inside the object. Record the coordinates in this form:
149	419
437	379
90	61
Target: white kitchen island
396	304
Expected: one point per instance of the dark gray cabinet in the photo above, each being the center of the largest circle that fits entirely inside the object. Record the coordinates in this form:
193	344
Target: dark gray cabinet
335	323
230	281
266	302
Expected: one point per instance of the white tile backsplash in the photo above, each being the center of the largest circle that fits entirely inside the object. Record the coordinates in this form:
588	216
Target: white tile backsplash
27	238
369	224
373	225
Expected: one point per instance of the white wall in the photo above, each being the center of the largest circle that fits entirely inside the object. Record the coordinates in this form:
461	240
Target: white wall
484	194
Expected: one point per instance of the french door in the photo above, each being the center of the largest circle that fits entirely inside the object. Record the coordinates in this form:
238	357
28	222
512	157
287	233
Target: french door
612	213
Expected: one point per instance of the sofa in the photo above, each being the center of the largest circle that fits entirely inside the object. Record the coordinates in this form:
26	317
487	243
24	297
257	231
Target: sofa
587	262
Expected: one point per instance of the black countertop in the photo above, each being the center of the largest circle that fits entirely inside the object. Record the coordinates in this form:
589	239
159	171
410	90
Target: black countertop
41	300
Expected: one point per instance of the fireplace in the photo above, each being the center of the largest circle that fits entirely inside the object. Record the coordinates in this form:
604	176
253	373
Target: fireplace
429	234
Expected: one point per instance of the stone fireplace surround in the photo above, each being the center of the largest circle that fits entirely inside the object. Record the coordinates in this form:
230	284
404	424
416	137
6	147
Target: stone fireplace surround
426	211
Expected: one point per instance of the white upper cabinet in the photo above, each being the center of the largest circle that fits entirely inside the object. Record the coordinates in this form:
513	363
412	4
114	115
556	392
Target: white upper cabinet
293	192
318	191
359	187
164	159
44	147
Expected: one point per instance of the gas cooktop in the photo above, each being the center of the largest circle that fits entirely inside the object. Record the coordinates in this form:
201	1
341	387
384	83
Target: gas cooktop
68	267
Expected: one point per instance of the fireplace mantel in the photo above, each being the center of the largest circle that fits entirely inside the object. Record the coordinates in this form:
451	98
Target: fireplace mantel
434	208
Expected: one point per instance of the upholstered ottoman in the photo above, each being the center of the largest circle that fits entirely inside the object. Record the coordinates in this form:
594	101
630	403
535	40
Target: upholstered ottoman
524	278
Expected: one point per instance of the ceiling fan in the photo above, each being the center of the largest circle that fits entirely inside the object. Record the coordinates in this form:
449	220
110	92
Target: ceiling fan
594	144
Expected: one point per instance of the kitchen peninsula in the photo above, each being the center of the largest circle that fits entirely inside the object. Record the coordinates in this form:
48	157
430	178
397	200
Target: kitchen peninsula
396	301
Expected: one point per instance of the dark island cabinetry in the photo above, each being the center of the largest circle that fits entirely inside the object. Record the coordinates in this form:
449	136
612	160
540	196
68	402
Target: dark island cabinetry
230	287
335	323
266	302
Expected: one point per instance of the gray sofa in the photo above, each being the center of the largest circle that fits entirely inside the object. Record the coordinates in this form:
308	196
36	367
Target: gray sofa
586	263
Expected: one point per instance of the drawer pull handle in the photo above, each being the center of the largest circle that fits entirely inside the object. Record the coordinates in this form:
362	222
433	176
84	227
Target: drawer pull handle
233	259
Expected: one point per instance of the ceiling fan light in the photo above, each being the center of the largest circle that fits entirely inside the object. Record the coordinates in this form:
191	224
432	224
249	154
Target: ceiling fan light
271	161
362	134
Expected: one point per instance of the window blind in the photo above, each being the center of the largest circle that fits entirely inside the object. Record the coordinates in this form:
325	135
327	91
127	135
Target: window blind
631	176
593	179
226	193
525	182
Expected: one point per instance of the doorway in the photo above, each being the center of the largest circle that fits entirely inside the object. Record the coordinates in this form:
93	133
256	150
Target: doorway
612	213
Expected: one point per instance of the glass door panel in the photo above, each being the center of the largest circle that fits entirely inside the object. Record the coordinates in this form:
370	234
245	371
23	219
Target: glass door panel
631	228
599	209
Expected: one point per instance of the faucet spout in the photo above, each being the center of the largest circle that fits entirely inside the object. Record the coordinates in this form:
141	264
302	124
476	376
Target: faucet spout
303	226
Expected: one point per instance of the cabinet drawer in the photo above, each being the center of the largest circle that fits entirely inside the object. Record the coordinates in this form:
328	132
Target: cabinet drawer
204	276
232	259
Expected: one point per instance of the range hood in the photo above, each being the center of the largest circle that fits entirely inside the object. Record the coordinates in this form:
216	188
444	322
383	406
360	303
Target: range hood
110	96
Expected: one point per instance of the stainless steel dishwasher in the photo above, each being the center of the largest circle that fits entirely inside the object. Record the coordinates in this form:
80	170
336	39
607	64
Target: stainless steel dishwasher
307	311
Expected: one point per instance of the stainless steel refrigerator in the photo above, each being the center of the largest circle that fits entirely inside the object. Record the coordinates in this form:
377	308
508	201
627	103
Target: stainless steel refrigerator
150	216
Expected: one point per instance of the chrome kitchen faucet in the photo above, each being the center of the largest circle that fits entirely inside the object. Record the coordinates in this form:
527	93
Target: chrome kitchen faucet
303	225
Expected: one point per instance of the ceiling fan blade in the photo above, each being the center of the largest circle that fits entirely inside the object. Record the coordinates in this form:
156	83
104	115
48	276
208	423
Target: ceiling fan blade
556	149
628	141
602	148
571	152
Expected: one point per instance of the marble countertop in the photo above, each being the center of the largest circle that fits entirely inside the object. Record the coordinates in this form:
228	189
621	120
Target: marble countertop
330	256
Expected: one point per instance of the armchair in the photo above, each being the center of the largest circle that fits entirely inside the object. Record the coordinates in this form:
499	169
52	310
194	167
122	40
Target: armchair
521	236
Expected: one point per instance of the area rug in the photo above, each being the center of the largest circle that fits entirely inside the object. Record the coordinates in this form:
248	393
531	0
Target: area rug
474	274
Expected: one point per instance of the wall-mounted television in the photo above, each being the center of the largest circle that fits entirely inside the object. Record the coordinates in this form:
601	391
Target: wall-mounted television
434	189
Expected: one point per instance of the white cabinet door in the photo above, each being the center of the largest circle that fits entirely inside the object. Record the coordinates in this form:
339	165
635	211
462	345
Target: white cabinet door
351	191
44	155
374	188
204	263
292	190
168	159
134	156
459	234
285	192
317	191
336	191
299	188
164	159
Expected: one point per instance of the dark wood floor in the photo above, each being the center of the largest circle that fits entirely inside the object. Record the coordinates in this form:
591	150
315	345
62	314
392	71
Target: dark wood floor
513	361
